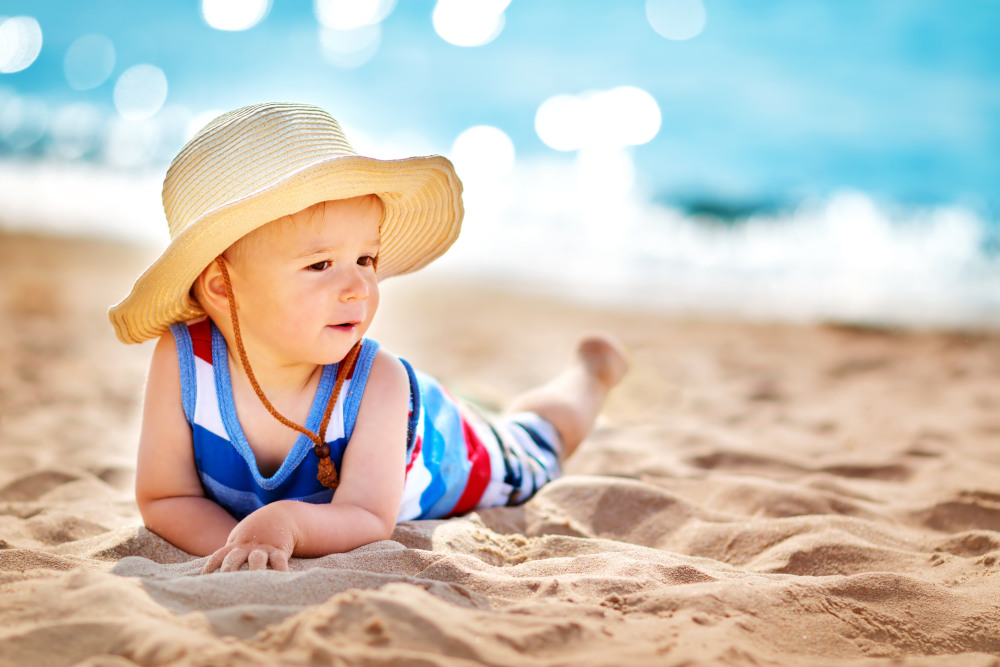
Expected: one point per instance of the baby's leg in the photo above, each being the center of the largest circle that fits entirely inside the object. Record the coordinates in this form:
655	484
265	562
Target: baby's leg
572	399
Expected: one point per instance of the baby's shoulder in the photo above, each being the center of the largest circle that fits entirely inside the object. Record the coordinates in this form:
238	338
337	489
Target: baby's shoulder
164	371
387	367
387	378
177	352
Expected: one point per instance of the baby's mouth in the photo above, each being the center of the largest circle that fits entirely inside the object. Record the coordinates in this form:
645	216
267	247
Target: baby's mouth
344	326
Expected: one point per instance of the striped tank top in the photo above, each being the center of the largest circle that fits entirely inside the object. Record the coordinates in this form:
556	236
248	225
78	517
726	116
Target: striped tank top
457	460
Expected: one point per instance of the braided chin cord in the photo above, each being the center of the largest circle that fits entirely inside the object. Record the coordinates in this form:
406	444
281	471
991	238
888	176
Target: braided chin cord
327	474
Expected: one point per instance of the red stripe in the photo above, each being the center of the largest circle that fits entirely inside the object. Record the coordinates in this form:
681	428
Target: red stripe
416	452
479	475
201	339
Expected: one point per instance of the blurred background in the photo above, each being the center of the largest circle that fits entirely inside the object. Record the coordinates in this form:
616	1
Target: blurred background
774	159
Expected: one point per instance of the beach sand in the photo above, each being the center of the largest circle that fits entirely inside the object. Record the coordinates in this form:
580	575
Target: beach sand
755	494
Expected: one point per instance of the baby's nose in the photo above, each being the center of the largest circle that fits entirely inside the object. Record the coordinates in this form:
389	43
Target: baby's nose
355	287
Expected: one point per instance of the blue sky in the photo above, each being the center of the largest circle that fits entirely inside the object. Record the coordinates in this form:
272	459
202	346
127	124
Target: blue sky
772	102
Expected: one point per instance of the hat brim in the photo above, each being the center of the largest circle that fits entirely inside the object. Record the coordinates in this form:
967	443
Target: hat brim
422	199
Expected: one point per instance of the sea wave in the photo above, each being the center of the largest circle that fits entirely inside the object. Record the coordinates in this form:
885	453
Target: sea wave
544	227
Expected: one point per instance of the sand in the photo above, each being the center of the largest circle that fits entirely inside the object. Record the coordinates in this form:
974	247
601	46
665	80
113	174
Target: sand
755	494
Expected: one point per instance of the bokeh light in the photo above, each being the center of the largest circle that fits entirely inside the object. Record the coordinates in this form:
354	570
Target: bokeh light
605	173
234	15
20	43
483	153
350	14
173	121
140	92
623	116
559	122
75	130
676	19
130	143
469	22
351	47
23	121
89	61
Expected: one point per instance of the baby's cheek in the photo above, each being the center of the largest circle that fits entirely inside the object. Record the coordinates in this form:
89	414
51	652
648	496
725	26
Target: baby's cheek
373	303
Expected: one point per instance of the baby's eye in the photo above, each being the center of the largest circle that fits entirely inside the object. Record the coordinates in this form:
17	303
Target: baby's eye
320	266
367	260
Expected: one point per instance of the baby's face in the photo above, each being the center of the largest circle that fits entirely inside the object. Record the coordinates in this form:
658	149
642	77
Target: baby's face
305	286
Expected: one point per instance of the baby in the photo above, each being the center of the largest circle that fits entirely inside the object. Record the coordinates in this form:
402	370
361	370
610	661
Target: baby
271	426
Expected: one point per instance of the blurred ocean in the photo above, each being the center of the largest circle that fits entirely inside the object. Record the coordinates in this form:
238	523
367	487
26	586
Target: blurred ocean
545	228
802	160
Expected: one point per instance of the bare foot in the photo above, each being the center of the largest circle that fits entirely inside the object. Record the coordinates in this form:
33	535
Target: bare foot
571	400
604	358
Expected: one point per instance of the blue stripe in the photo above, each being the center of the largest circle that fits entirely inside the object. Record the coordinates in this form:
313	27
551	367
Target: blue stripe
240	503
229	481
352	402
539	440
444	439
411	425
227	408
185	363
512	477
531	463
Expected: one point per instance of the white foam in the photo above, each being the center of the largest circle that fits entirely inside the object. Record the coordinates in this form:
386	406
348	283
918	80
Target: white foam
80	199
551	227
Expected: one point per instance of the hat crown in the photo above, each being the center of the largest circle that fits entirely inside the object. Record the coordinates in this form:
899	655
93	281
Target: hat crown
244	151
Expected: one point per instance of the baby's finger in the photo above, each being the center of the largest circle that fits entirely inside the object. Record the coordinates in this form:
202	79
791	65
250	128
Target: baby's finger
279	560
234	560
214	562
257	560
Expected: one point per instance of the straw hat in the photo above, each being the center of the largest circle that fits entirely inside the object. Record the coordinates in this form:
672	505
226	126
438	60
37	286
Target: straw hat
260	163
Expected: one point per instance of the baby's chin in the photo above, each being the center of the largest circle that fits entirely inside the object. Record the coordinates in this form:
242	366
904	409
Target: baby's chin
337	343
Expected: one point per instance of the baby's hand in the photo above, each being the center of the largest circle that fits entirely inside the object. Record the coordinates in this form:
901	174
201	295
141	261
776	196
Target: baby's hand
263	538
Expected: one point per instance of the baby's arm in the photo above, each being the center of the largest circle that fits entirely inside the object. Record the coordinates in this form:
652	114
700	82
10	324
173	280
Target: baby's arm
167	489
365	505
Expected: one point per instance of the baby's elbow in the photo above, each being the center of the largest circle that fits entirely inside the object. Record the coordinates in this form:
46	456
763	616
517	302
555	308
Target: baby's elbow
150	517
385	527
145	506
388	530
156	512
149	511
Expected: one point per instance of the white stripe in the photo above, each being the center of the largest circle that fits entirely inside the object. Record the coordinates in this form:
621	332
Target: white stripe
416	483
497	491
335	429
208	415
417	480
548	460
206	411
542	427
538	469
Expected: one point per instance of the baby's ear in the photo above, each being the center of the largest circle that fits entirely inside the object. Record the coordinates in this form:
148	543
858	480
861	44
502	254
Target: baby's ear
209	289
